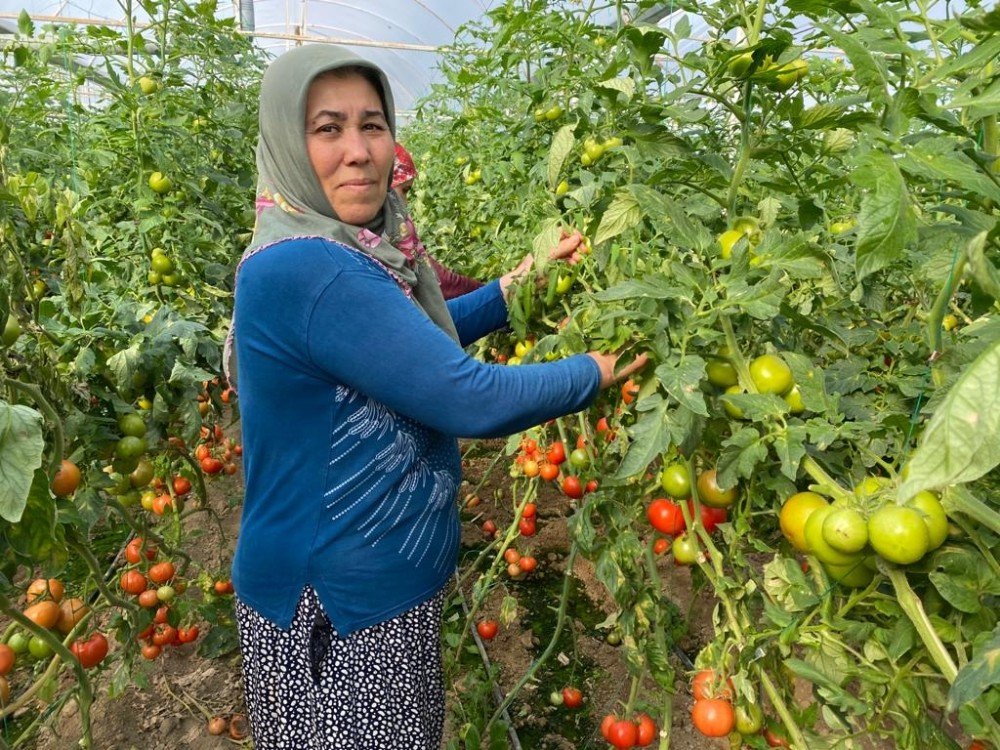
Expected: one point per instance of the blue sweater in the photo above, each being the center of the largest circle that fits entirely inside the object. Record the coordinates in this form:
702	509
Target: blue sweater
351	401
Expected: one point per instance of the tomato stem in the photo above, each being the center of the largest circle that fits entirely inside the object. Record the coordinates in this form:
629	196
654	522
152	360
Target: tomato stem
910	604
959	499
825	484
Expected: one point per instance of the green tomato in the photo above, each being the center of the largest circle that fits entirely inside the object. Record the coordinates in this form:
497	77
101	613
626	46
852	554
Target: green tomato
839	227
579	458
130	447
846	530
562	188
585	159
132	424
727	241
712	494
11	331
749	718
685	549
816	542
39	647
612	142
788	74
554	112
160	183
18	643
148	85
856	575
166	594
720	373
153	277
676	481
563	284
171	279
794	400
539	116
927	504
770	374
732	409
899	534
161	263
739	65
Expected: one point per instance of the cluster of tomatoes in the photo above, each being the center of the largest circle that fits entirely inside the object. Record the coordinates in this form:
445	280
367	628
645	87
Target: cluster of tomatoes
155	588
623	733
547	463
47	607
215	453
769	373
667	517
235	726
161	499
843	535
518	565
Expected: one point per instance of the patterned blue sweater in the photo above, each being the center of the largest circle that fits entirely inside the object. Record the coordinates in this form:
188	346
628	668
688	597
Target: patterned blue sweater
351	401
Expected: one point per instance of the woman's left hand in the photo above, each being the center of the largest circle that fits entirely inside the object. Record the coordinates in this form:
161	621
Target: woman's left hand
571	247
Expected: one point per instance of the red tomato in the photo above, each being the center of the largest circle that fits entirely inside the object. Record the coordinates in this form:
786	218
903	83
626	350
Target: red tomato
161	572
602	425
162	615
202	451
591	486
488	629
223	587
774	739
133	582
90	652
528	563
713	717
629	391
606	725
572	697
572	488
622	734
710	517
665	516
529	511
182	485
210	465
530	468
581	442
548	471
706	684
162	504
151	651
660	546
646	730
149	599
511	555
489	529
187	635
527	527
556	453
164	634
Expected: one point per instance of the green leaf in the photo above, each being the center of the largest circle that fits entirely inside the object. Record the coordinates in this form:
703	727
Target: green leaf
816	677
562	145
652	287
623	214
866	70
985	52
650	437
25	25
220	641
980	103
682	380
938	159
981	673
124	364
962	440
624	85
986	275
21	446
963	580
740	455
886	221
790	445
185	373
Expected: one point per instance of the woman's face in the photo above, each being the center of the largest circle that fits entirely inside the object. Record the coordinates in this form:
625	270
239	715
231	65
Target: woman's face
350	146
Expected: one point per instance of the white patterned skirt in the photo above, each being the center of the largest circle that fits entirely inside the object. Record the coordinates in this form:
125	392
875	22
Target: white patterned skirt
381	688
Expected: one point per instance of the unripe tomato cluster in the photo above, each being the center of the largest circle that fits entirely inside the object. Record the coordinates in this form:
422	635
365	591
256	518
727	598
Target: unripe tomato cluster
844	535
667	516
623	733
161	269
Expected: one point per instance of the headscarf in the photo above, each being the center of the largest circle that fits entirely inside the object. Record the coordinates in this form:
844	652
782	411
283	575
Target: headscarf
291	202
403	169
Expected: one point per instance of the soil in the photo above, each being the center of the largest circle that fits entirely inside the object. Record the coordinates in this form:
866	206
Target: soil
185	689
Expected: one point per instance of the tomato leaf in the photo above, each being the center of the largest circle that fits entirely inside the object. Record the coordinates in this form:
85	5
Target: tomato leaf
866	69
562	143
740	455
508	611
981	673
790	445
650	438
987	275
834	693
962	580
682	380
939	159
623	214
788	586
25	25
886	222
962	440
21	446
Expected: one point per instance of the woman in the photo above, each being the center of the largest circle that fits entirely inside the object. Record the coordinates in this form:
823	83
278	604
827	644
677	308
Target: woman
354	386
404	172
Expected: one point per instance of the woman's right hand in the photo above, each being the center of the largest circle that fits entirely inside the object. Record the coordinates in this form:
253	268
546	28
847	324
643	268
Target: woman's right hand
607	364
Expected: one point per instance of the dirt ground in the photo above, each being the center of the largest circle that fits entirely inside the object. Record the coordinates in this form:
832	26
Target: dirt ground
185	689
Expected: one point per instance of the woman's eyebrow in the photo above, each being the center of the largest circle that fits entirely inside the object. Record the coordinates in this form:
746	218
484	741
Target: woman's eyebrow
341	116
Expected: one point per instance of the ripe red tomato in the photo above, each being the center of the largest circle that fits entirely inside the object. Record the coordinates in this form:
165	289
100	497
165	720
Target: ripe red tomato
706	684
489	529
622	734
530	509
488	629
572	487
162	504
606	724
602	425
7	659
660	546
528	563
979	745
665	516
548	472
133	582
629	391
210	465
149	599
527	527
182	485
645	730
511	555
556	453
223	587
591	486
164	634
151	651
90	652
134	550
162	615
162	572
713	717
710	517
572	697
774	739
187	635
